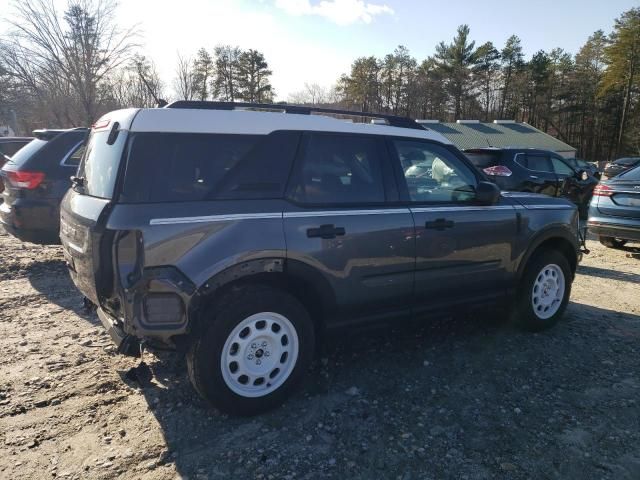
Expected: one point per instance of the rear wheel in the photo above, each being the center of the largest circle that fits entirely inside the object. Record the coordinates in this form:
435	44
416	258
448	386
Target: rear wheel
544	291
612	242
256	345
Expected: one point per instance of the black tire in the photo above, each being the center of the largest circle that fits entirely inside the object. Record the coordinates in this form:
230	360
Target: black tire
204	358
523	313
612	242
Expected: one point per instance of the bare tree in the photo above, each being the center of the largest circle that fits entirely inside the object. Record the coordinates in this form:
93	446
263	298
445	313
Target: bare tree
184	82
77	49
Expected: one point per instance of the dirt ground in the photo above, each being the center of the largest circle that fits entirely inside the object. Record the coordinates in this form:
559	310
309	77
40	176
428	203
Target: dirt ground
463	399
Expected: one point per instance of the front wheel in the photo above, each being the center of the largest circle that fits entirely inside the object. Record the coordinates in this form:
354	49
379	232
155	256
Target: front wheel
256	345
544	291
612	242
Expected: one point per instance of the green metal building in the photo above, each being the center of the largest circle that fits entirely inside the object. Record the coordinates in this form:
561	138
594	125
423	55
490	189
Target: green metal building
501	133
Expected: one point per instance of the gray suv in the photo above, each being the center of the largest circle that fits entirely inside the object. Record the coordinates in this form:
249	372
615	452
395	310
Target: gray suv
241	235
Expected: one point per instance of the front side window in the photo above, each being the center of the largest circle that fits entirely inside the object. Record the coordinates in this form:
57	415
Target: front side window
339	169
560	167
433	174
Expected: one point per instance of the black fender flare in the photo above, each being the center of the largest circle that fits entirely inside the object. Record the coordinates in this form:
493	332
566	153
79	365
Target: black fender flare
549	233
306	282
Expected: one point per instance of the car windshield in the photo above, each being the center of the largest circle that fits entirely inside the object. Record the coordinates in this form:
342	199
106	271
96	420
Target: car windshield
25	153
633	174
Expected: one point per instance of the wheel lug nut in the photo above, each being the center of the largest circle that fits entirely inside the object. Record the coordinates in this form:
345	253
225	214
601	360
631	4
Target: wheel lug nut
266	354
258	362
250	356
253	345
264	344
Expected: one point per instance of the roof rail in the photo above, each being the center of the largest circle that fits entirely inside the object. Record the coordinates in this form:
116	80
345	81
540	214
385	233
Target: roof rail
393	120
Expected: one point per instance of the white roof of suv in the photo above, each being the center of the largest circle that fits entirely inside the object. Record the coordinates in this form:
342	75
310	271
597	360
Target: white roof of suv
186	120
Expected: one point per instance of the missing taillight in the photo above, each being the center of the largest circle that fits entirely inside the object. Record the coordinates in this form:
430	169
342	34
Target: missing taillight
23	179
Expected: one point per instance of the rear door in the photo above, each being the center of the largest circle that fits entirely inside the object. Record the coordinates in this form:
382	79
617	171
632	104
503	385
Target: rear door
344	229
463	250
539	171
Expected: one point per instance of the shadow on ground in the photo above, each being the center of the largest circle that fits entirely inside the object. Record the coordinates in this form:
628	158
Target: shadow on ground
609	273
51	279
460	398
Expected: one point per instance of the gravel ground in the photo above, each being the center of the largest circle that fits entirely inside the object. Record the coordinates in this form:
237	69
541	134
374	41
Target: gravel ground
463	399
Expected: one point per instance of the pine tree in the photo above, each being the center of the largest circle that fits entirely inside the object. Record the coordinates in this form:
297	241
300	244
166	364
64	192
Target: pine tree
203	71
623	60
253	78
457	60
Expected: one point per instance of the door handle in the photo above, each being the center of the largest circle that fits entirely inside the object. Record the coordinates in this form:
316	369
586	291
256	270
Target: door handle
439	224
325	231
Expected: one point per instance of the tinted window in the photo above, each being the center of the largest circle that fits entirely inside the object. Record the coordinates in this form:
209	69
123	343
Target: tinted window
484	159
99	167
178	167
539	163
560	167
73	160
26	152
339	169
434	174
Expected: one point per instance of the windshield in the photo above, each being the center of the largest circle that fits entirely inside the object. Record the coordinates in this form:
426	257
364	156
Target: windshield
99	166
25	153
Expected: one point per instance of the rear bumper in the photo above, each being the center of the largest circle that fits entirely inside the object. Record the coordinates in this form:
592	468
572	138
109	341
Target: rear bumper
627	231
125	344
35	222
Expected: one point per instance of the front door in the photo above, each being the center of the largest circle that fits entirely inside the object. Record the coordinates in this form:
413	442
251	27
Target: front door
540	175
343	233
463	250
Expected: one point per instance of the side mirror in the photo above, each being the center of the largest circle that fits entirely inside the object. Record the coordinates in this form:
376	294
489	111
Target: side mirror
487	193
583	175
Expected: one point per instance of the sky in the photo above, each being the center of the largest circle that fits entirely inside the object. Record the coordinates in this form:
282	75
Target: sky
315	41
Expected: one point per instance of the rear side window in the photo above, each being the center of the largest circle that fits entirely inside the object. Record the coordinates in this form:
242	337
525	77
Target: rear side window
183	167
26	152
339	169
73	160
99	166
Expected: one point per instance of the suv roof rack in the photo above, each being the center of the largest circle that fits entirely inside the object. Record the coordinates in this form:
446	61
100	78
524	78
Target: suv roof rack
393	120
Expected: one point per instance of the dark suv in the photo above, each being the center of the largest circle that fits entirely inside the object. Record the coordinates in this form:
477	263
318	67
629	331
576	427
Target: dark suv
35	180
241	236
535	171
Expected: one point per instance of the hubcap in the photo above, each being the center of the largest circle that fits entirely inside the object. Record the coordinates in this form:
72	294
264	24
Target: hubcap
259	354
548	291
